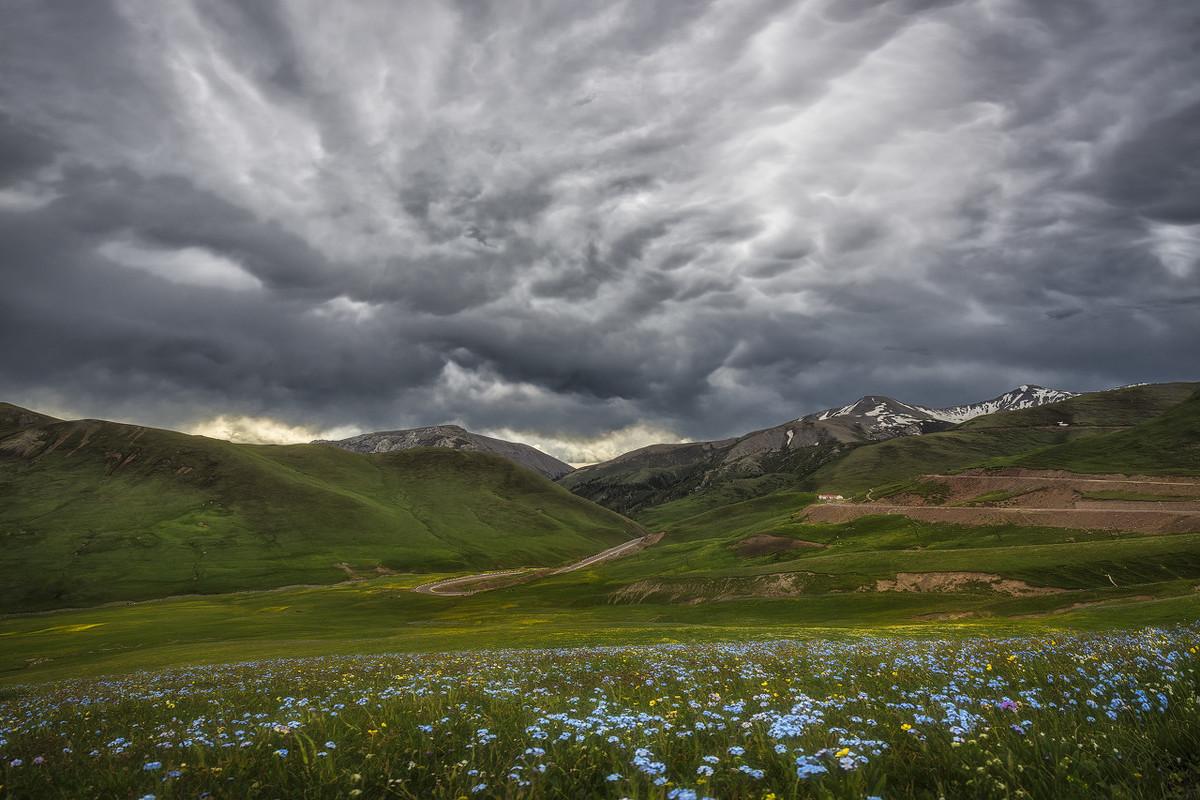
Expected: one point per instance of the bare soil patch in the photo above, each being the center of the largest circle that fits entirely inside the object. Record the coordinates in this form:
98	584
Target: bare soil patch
766	544
1135	521
701	590
960	582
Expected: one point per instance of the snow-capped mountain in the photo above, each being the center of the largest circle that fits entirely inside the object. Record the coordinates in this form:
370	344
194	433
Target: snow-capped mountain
454	438
877	413
883	417
1024	396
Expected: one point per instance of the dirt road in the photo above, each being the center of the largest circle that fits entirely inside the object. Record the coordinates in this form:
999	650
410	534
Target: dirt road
1142	520
624	549
465	585
1037	477
457	587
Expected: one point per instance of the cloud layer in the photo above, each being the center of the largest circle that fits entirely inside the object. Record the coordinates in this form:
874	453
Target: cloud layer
590	222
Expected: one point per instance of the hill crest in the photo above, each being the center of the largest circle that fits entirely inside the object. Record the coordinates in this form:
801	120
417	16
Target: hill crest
453	437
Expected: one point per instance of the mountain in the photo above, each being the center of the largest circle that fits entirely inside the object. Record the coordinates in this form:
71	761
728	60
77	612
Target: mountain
94	511
1147	429
882	417
1001	436
13	418
454	438
760	461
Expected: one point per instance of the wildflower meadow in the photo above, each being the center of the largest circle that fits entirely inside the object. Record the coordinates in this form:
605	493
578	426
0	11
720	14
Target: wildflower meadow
1048	716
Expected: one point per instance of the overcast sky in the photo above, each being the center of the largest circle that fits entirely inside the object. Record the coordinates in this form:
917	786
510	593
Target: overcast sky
589	225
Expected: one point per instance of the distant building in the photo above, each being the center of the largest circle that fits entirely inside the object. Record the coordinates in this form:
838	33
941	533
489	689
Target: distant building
828	497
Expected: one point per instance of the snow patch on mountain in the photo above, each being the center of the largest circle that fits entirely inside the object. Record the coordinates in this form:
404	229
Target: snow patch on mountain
1024	396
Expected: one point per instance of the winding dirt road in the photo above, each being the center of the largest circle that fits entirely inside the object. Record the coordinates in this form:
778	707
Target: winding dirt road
455	587
465	585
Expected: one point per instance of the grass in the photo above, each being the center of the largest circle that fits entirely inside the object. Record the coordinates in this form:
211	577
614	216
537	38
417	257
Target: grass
721	496
1168	444
692	586
933	492
1045	716
96	512
899	460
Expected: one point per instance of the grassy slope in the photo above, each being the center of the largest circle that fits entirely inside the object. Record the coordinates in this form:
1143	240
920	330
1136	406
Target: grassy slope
695	474
82	523
1168	444
1006	434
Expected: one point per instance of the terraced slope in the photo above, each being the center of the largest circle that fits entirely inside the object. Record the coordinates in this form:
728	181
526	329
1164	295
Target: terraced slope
1057	499
94	511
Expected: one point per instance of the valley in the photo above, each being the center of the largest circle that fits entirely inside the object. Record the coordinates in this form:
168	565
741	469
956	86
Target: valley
433	539
1006	529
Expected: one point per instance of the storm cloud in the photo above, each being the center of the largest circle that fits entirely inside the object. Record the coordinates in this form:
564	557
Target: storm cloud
579	223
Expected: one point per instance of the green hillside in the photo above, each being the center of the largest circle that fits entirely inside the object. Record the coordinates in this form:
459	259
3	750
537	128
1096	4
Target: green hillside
98	511
646	477
999	436
1168	444
1131	405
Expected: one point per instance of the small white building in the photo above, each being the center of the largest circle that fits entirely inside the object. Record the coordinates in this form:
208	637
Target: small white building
825	498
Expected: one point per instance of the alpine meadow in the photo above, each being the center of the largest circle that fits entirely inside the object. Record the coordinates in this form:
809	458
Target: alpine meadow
692	400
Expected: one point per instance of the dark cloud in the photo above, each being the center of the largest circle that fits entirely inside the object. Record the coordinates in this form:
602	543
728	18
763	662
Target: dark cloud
1156	173
692	217
22	151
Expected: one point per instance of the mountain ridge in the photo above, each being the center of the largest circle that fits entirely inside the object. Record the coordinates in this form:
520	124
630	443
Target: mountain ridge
452	437
888	416
661	473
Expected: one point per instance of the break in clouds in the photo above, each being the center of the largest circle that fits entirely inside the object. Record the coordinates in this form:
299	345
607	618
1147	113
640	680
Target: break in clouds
589	225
